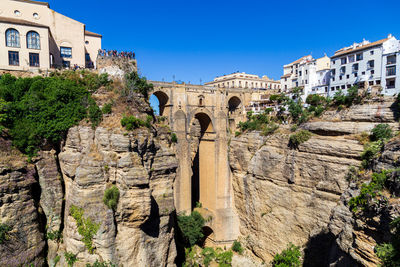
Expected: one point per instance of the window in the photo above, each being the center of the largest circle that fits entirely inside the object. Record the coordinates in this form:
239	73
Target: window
390	70
342	70
363	73
359	57
66	52
87	57
340	77
371	52
337	87
378	81
333	88
299	73
17	13
391	83
348	86
370	64
333	79
355	74
347	76
306	82
355	67
333	72
371	83
343	60
13	58
391	60
35	15
306	72
351	58
33	40
12	38
343	87
66	64
372	71
87	42
34	60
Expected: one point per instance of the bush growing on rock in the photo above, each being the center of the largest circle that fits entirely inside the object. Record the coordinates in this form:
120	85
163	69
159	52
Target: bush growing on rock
86	227
371	151
131	122
191	227
107	108
290	257
389	253
381	132
4	230
298	138
237	247
136	84
70	258
111	197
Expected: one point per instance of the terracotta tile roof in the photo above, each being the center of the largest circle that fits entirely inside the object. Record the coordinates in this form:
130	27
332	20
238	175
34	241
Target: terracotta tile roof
21	22
93	34
348	51
34	2
298	61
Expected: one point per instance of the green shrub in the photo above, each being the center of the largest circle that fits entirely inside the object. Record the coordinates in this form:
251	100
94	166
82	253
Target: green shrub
135	83
381	132
94	113
237	247
174	138
299	137
389	253
208	255
70	258
4	232
98	263
369	191
315	100
86	227
56	260
131	122
224	258
290	257
191	227
107	108
41	110
54	235
318	111
371	151
111	197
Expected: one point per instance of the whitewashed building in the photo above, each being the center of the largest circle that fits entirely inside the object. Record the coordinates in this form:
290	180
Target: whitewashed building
367	65
309	74
245	80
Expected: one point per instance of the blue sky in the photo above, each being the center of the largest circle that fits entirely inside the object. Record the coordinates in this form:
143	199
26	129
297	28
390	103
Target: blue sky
195	39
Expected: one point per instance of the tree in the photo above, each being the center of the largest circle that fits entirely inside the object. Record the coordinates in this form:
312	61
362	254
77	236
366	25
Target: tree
191	228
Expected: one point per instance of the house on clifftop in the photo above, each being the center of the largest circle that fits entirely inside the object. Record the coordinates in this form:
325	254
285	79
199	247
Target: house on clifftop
33	37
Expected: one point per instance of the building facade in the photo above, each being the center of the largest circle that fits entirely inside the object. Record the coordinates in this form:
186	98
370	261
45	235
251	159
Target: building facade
36	37
307	73
244	80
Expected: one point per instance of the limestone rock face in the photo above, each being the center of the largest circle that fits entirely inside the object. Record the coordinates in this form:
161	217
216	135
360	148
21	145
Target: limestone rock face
24	243
299	195
139	232
284	195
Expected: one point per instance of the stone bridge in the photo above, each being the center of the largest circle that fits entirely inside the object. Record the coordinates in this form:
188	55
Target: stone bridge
203	118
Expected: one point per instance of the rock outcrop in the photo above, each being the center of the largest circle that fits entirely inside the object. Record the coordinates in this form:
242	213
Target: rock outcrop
140	231
24	243
287	195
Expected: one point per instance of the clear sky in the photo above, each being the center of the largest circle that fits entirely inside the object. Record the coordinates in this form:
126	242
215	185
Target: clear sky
195	39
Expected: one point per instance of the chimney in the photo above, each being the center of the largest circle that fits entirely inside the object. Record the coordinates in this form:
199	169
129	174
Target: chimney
390	35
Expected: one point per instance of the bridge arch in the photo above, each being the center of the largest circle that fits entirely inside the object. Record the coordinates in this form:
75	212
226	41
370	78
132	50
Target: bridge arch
234	104
163	100
203	166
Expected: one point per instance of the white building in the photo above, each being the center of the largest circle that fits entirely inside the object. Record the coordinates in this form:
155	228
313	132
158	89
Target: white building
307	73
244	80
367	65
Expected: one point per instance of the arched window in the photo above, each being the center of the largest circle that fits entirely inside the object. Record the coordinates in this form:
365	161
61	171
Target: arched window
12	38
33	40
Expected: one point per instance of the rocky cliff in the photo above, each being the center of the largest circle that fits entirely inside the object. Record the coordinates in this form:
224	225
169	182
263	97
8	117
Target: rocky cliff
287	195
